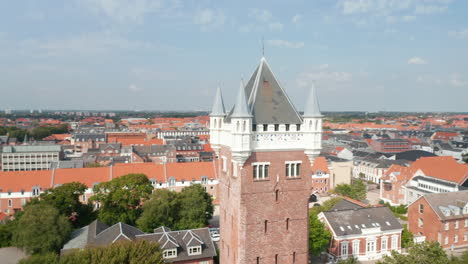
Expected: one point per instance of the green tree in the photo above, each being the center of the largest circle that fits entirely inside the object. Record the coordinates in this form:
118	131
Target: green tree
161	210
357	190
41	229
406	237
121	199
349	261
66	198
47	258
196	208
424	253
319	236
6	233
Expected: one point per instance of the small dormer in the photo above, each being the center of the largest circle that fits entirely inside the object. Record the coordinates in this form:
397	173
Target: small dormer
454	209
465	209
445	210
36	190
193	242
170	253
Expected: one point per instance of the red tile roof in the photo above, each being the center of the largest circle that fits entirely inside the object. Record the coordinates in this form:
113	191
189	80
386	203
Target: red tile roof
320	163
445	168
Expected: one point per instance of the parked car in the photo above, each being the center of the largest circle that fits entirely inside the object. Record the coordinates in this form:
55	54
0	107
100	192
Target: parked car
215	237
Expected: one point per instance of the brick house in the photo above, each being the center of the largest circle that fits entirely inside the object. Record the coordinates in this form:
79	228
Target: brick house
366	233
193	246
320	176
265	150
441	217
390	145
393	184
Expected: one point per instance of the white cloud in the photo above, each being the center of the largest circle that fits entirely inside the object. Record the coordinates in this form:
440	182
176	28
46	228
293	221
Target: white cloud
276	26
430	9
296	19
459	34
261	15
409	18
210	19
456	81
417	61
128	10
285	44
324	75
134	88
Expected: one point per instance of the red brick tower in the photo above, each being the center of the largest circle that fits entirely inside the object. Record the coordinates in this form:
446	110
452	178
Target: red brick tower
265	149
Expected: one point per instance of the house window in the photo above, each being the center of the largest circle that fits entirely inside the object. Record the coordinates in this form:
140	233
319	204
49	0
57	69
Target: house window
172	181
370	246
276	127
395	242
293	169
456	224
455	239
287	127
446	240
287	223
260	171
465	237
344	249
234	169
194	250
266	226
421	208
447	225
224	163
356	247
384	244
170	253
10	203
265	127
23	201
204	180
466	222
420	222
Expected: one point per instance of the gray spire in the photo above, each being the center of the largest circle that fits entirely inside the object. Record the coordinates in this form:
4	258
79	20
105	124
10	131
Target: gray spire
241	109
312	106
218	105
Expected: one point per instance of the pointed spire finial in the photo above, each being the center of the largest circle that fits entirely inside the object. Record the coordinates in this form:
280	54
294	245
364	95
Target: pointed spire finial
241	109
312	108
218	104
263	47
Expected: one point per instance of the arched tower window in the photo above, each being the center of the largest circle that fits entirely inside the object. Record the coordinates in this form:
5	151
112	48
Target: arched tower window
276	195
276	259
244	126
287	223
316	124
237	126
310	124
294	257
266	226
215	123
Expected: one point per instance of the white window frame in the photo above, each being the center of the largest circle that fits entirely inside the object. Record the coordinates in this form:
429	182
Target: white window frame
10	203
447	226
291	168
466	222
170	253
455	239
224	163
356	244
370	246
456	224
446	239
384	241
344	249
234	168
196	250
395	239
259	170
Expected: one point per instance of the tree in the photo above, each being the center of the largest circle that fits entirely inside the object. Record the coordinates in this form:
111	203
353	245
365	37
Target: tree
357	191
406	237
66	199
121	199
424	253
125	252
319	236
41	229
196	208
6	233
349	261
160	210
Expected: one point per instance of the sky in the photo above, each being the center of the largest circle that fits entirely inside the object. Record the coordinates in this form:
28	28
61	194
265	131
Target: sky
362	55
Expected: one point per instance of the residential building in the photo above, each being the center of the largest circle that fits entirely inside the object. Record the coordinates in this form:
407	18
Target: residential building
266	150
193	246
26	158
341	171
390	145
393	184
441	217
365	233
436	175
85	141
320	176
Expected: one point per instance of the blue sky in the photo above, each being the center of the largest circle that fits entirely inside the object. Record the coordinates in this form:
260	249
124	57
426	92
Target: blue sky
373	55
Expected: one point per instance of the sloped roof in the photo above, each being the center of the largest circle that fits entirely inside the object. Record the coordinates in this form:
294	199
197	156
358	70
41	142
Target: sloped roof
268	102
218	108
457	199
353	221
320	163
445	168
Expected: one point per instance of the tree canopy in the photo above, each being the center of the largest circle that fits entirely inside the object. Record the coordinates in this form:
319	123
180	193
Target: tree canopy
319	236
41	229
424	253
357	190
127	252
66	199
191	208
121	199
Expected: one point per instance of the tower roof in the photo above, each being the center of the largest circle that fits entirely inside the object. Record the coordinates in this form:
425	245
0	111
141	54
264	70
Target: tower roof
218	105
312	108
267	101
241	109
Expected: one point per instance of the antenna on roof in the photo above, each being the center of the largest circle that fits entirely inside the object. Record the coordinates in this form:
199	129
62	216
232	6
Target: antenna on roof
263	47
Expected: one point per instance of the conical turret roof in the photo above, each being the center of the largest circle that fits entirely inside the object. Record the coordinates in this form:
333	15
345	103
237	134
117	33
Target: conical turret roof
241	109
312	108
218	105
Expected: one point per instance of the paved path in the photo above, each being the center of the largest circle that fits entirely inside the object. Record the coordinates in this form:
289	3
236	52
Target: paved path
11	255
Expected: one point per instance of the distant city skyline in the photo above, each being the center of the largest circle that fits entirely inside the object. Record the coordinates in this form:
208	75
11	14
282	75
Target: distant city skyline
387	55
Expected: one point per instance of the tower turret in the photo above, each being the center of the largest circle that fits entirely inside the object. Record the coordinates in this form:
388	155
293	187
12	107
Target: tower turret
312	126
218	112
241	128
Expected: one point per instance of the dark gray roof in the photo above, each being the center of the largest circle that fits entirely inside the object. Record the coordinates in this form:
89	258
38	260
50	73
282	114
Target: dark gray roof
413	155
181	240
152	150
218	105
67	164
241	109
353	221
268	102
450	201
